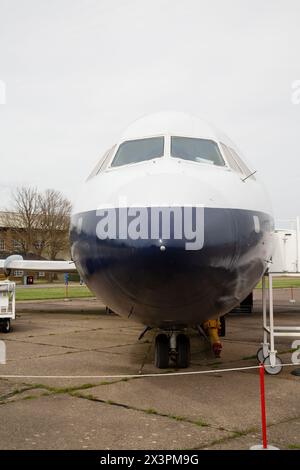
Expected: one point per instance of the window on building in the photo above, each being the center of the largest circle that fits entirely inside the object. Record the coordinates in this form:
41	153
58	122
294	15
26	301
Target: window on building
2	245
41	274
17	245
18	273
196	150
39	244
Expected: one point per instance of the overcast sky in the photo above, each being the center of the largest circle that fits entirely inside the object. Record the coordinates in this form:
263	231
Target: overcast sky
77	72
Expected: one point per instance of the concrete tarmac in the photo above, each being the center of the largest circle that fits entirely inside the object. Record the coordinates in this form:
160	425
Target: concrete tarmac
215	411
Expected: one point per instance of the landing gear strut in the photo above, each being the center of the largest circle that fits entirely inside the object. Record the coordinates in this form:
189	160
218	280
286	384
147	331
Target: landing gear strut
174	346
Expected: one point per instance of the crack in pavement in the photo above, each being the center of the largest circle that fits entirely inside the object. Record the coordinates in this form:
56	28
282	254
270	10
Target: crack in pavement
81	349
17	392
240	434
53	390
75	392
41	344
45	356
149	411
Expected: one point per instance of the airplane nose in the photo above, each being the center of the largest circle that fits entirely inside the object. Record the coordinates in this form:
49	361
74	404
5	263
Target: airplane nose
201	259
181	275
149	276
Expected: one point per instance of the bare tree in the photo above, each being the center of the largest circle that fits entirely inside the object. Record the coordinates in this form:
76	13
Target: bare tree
54	222
39	222
23	220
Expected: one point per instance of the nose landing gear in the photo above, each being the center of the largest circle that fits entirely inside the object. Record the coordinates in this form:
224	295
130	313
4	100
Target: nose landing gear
172	346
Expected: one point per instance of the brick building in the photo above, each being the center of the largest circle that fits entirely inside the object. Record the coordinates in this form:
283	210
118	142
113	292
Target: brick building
11	244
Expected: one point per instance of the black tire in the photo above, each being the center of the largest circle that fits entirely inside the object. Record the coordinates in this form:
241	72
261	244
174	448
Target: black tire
162	351
6	328
260	356
183	351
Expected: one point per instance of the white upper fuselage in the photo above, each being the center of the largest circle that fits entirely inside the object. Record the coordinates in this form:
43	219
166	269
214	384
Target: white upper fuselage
169	181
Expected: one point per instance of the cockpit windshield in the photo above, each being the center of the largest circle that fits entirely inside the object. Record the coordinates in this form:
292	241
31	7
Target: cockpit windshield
196	150
135	151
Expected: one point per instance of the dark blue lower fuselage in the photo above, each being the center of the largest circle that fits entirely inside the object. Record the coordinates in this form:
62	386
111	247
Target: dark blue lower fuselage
175	287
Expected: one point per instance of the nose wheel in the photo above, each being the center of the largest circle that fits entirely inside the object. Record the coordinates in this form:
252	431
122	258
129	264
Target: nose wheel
174	347
162	351
183	351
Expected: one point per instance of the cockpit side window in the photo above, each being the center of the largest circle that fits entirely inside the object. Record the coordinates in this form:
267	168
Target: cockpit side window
230	160
235	162
141	150
102	163
240	162
196	150
106	160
